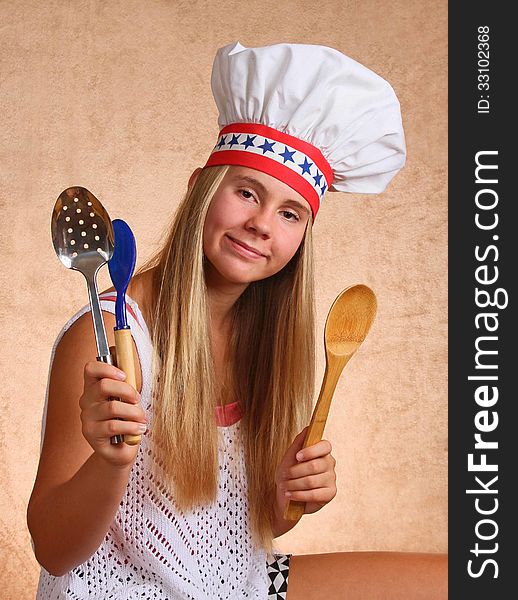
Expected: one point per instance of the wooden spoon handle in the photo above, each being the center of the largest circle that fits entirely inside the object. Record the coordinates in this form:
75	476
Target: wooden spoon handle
126	362
334	367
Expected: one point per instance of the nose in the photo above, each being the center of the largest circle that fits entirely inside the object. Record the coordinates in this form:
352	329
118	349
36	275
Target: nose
260	222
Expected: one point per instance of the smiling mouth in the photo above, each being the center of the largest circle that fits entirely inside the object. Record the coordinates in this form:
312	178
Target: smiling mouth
247	250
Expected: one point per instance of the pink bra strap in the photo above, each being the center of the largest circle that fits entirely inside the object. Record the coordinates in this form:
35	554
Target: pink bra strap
228	414
128	307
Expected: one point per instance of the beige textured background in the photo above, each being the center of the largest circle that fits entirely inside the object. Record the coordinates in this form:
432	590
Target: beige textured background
107	95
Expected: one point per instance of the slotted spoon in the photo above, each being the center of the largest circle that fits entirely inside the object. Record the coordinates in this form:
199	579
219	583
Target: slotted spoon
82	235
347	325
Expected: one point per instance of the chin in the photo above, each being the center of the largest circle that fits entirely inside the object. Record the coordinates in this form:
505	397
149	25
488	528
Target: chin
232	274
242	278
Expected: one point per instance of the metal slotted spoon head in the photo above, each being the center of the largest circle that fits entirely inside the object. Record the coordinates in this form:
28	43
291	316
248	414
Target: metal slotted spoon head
82	231
82	234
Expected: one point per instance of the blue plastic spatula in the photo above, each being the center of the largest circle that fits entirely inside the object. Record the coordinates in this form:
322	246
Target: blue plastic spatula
121	267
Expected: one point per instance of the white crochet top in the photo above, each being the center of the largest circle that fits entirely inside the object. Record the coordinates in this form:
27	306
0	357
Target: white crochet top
153	550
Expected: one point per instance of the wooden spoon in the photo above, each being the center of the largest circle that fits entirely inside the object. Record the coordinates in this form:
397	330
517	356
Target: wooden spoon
347	325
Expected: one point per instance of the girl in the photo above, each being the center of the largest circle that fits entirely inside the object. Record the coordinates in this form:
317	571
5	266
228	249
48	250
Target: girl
223	325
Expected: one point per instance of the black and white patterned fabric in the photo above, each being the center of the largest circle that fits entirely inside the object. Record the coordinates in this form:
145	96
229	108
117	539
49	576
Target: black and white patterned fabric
278	566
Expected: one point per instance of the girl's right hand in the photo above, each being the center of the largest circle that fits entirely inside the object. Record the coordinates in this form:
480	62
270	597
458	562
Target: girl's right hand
99	414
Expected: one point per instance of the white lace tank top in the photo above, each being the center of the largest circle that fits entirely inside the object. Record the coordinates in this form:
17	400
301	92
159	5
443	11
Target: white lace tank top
154	551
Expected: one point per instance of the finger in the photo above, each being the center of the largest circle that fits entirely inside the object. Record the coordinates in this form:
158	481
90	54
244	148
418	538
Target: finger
323	495
296	445
108	429
316	450
311	467
105	411
311	482
95	370
103	430
109	388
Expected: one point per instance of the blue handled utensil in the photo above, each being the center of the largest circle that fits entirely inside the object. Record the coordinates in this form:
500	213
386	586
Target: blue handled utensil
121	267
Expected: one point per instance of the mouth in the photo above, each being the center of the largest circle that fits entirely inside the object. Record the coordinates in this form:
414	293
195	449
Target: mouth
245	249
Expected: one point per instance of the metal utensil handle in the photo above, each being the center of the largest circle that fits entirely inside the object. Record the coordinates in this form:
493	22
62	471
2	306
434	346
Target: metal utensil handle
100	332
109	360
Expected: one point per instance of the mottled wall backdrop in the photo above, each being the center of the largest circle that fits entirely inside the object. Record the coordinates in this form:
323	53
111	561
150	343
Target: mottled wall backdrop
115	96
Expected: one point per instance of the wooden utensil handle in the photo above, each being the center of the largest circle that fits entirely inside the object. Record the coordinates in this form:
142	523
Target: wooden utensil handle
334	367
126	362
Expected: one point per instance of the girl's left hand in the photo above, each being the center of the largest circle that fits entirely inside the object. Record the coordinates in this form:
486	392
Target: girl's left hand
309	478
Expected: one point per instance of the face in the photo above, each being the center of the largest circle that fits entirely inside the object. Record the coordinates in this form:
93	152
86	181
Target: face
254	226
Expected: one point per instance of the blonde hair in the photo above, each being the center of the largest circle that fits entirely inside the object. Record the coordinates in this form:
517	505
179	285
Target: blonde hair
270	366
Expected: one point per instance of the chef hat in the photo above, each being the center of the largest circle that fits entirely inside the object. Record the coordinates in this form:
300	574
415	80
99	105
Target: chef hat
307	115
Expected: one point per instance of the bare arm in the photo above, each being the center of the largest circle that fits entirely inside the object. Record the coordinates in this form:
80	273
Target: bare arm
81	477
69	521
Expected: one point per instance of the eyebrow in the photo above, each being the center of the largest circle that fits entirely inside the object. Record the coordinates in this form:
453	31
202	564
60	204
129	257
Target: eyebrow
260	186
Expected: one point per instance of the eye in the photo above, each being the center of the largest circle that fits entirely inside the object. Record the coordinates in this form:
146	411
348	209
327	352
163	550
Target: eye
246	194
290	215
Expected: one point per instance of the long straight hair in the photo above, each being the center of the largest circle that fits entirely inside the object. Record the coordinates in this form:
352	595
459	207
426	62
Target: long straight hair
271	366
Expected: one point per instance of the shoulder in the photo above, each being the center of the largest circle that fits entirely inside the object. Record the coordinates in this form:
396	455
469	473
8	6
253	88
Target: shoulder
78	346
139	290
80	338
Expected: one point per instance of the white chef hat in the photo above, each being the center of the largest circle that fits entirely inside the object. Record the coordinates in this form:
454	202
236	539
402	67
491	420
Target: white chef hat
307	115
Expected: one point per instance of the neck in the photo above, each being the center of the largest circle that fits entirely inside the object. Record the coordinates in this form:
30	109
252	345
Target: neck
221	301
222	295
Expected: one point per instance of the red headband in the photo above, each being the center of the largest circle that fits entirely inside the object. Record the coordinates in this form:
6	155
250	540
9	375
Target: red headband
287	158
